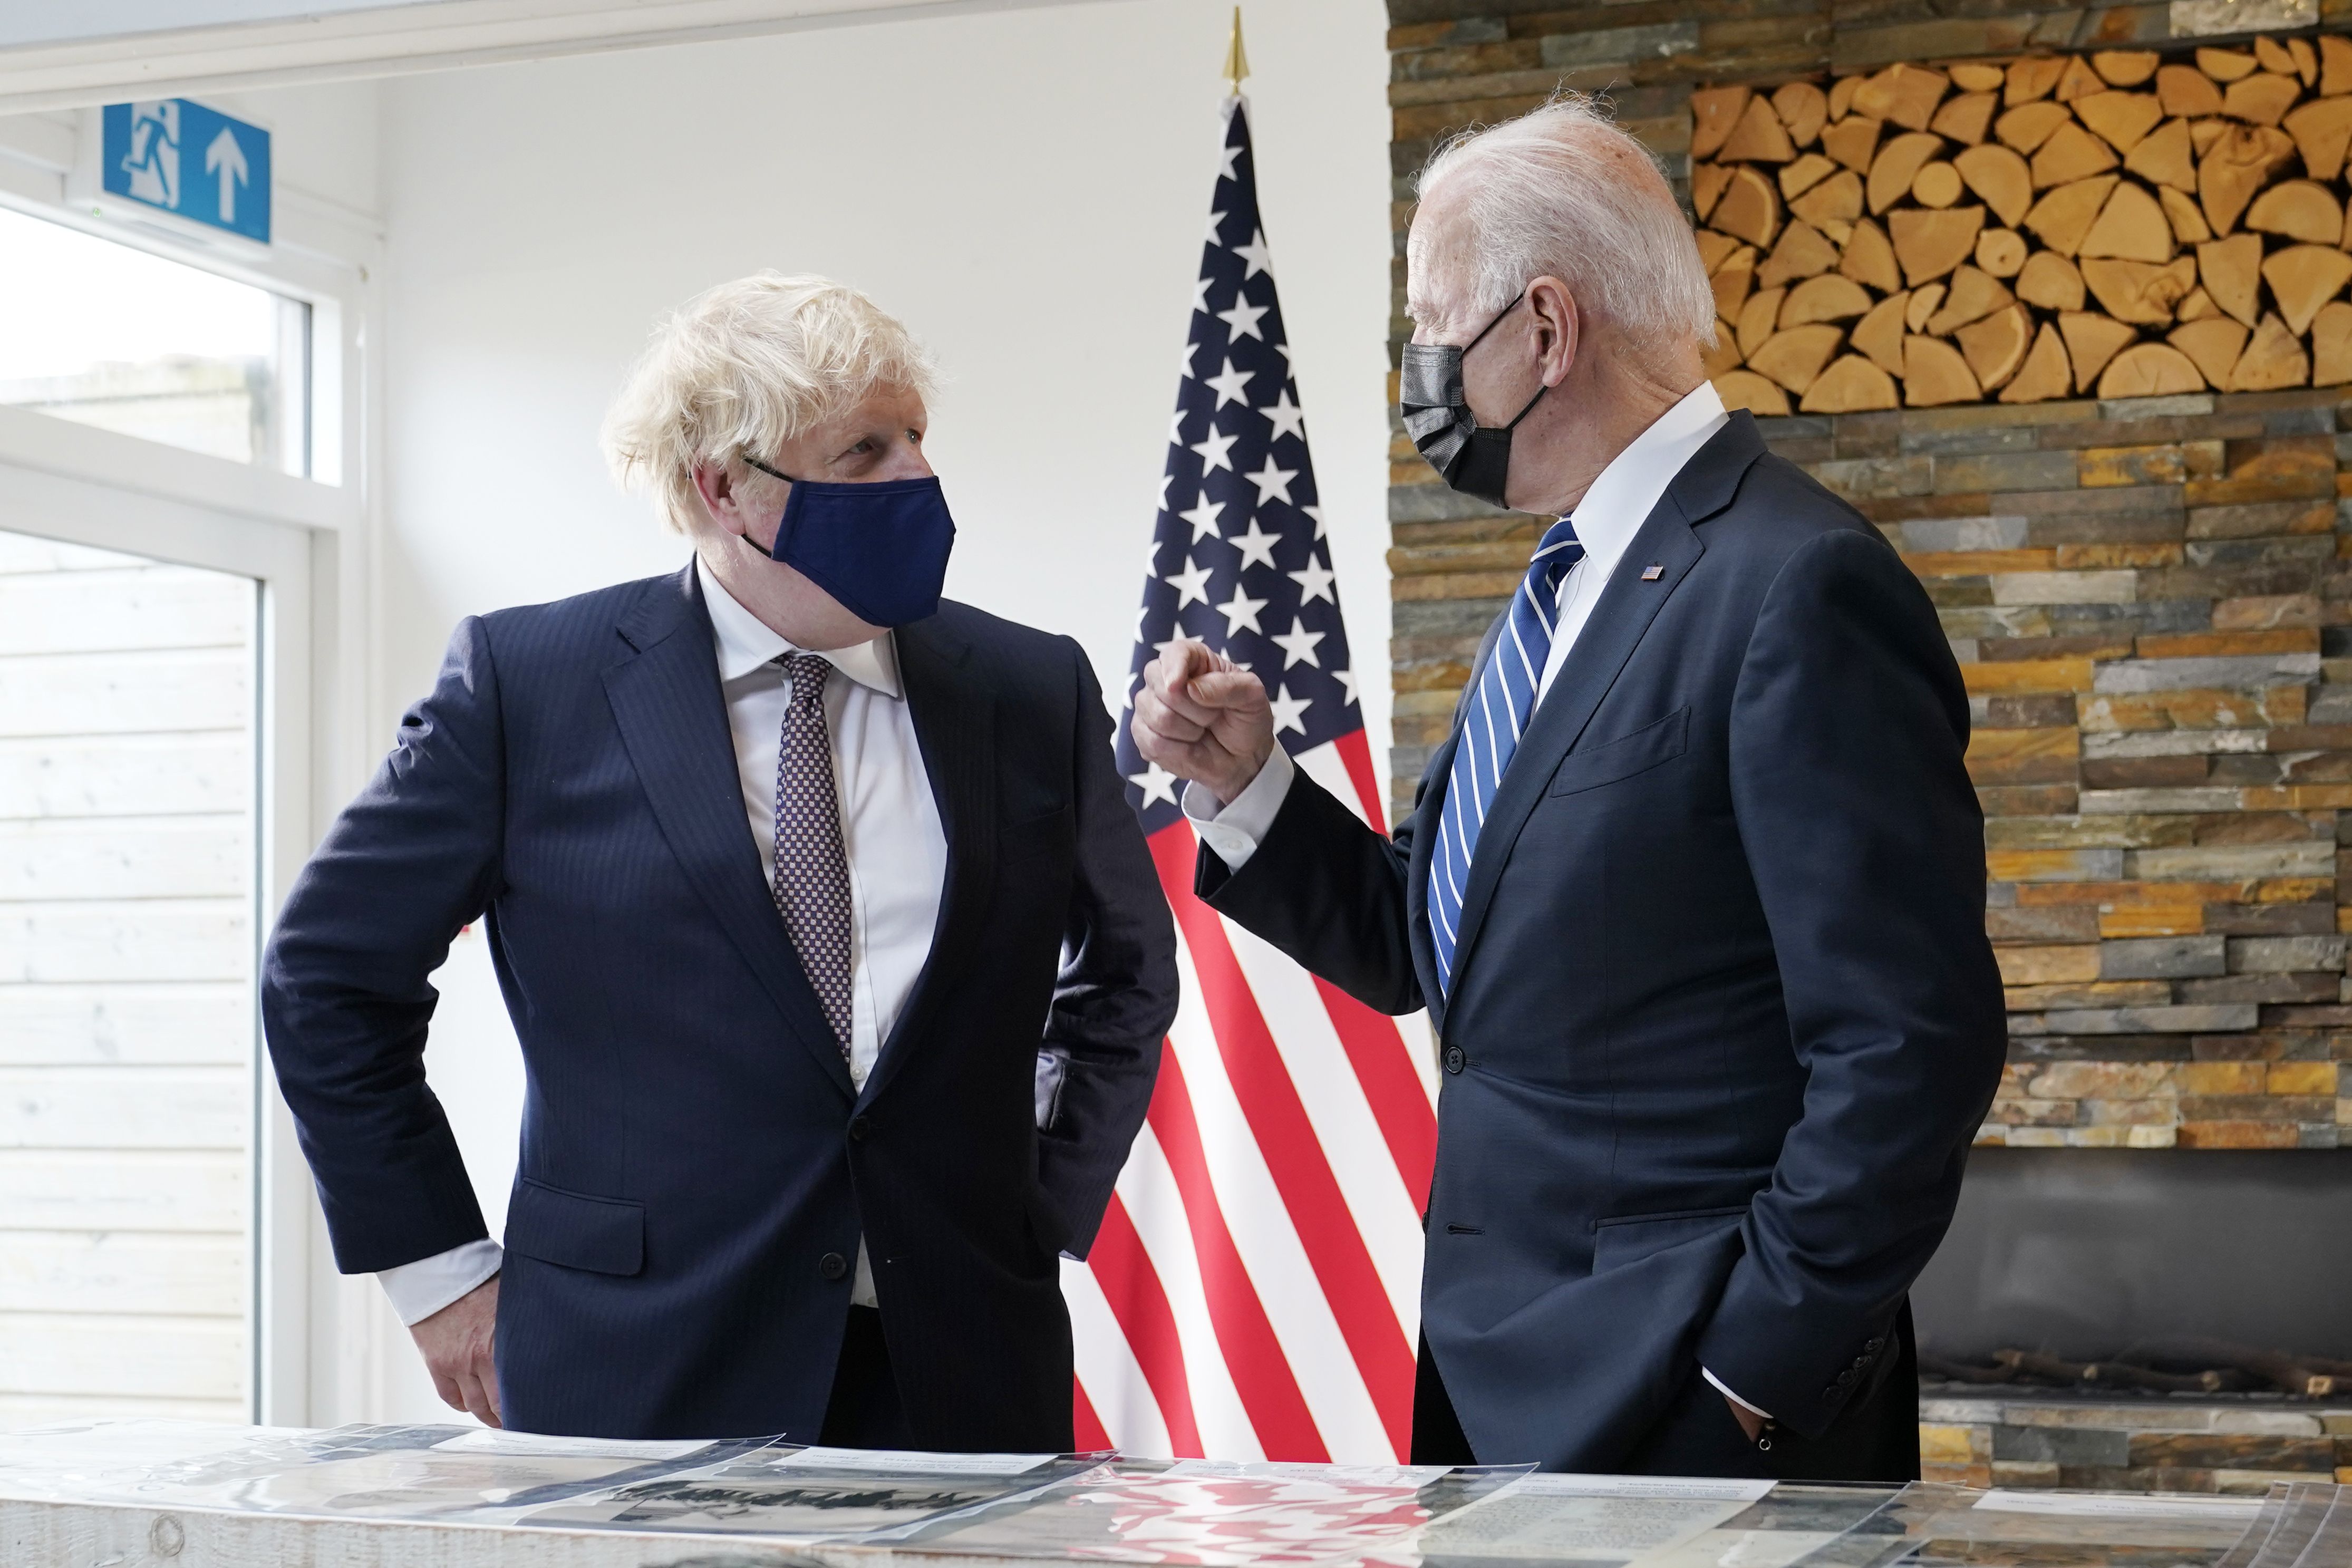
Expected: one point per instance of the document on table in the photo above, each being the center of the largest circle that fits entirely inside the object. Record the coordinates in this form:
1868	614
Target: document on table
1213	1514
1598	1520
814	1495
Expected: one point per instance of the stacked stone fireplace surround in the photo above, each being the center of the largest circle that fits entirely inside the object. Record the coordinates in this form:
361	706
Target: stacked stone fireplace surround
2151	603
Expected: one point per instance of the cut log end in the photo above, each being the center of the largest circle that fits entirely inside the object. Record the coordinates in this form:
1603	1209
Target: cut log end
1934	375
2150	370
1853	385
1746	389
2045	373
2273	360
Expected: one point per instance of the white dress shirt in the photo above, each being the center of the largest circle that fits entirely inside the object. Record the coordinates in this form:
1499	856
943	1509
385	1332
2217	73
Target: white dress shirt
1611	512
891	835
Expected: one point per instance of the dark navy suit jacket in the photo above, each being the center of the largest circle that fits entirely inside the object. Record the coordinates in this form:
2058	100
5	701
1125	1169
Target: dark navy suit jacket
696	1166
1724	1017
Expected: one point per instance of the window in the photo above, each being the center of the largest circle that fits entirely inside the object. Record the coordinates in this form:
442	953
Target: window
104	335
128	764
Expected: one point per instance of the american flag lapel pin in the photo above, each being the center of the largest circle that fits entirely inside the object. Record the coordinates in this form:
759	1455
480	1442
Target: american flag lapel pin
1652	573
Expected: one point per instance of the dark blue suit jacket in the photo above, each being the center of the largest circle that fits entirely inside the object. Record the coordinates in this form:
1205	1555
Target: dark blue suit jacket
1724	1017
696	1167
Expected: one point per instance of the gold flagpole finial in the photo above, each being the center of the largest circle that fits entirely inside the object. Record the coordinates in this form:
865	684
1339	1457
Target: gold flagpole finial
1236	60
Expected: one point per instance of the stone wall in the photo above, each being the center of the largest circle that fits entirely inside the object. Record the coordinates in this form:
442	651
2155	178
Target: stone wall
2145	598
2136	1446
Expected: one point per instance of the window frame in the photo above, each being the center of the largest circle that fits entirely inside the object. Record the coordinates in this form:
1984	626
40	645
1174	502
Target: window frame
308	544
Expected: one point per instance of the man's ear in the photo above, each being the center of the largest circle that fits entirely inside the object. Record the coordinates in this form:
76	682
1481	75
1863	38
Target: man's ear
717	489
1560	324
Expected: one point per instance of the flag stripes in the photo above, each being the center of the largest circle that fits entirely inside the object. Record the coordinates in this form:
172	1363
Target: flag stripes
1255	1292
1262	1375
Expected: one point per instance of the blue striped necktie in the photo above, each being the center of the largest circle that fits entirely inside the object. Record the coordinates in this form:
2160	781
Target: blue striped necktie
1491	726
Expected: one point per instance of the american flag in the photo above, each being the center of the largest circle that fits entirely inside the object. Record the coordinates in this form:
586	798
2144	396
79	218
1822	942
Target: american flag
1255	1292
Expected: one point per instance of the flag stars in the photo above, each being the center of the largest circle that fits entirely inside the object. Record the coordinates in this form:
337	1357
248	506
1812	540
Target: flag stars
1241	321
1240	611
1191	585
1297	645
1156	783
1256	546
1227	156
1216	237
1347	680
1286	417
1215	449
1272	482
1228	384
1259	258
1316	513
1288	709
1184	363
1201	295
1315	582
1204	517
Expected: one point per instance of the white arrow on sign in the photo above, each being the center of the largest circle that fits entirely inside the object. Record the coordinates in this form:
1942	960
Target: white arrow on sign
225	158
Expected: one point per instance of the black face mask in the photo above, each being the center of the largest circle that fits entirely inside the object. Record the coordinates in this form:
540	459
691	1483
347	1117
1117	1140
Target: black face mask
1474	459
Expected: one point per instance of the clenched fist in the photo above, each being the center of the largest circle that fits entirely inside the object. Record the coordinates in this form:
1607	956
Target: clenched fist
1203	719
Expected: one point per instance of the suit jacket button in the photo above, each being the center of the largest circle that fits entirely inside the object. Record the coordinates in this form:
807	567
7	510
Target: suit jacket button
1455	1059
833	1266
859	1126
1832	1392
1874	1346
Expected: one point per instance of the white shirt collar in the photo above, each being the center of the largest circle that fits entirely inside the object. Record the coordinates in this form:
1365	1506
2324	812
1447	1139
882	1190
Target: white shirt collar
745	643
1621	500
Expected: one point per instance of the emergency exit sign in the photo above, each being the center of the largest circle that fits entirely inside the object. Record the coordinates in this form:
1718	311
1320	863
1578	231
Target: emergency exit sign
197	163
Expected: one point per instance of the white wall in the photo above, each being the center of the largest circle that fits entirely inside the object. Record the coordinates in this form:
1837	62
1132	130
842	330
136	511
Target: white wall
1026	188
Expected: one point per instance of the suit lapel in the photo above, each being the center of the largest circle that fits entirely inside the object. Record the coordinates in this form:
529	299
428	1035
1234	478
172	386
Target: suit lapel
955	725
1627	606
672	716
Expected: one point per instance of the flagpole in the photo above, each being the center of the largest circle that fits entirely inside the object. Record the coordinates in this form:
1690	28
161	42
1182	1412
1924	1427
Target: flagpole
1236	60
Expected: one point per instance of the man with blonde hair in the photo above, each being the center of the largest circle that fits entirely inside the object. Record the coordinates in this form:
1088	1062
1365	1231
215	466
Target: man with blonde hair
1694	893
838	961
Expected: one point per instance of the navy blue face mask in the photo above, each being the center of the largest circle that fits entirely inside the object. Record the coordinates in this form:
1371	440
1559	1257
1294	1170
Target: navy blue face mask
880	550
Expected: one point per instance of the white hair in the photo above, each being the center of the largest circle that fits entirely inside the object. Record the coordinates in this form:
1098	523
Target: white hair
1565	192
745	367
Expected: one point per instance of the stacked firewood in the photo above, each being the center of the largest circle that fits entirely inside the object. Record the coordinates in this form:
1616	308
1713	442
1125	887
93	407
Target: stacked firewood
2119	224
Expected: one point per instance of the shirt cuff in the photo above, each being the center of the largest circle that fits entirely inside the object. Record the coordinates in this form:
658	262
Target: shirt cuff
1719	1388
1236	830
421	1288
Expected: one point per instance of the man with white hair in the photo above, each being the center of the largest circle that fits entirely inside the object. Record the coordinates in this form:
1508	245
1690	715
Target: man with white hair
823	921
1694	894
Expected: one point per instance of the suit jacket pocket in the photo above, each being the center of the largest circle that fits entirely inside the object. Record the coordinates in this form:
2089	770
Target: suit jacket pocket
1037	835
1661	740
1618	1242
603	1235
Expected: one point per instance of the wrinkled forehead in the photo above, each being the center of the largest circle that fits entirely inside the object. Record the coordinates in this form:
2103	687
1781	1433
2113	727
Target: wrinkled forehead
1439	278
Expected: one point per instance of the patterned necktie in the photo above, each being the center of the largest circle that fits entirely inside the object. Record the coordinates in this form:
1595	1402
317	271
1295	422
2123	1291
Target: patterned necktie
1491	726
812	871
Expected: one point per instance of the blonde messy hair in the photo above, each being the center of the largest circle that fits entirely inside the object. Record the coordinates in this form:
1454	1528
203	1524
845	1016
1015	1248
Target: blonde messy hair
745	367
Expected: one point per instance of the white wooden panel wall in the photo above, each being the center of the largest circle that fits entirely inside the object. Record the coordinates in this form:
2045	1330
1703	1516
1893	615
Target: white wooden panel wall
127	767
